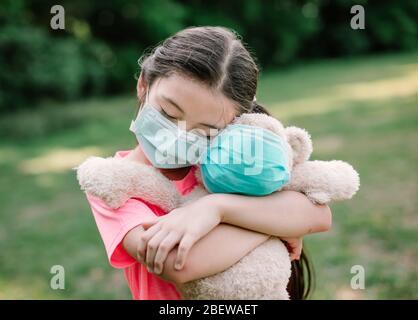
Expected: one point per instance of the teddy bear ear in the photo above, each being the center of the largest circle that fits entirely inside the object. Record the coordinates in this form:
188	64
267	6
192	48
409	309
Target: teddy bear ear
261	120
300	142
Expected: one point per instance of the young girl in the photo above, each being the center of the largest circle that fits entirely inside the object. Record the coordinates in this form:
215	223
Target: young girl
205	77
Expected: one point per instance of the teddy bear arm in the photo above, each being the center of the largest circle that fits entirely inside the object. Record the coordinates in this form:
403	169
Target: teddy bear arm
324	181
116	180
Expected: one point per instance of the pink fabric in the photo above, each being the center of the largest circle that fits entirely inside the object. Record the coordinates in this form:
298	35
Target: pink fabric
114	224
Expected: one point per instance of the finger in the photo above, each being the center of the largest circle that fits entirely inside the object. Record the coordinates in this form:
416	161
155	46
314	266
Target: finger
296	251
143	241
149	223
152	248
291	253
292	249
293	256
185	245
165	247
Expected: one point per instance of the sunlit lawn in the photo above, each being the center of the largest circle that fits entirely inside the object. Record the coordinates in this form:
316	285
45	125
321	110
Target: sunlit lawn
364	111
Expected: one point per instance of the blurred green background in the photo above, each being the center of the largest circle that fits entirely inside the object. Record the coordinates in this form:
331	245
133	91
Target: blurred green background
68	94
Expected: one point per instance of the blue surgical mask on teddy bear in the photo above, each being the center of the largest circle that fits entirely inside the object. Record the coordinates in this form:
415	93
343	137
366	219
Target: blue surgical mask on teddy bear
245	160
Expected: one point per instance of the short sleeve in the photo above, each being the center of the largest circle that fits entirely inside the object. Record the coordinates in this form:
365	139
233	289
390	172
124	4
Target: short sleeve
114	224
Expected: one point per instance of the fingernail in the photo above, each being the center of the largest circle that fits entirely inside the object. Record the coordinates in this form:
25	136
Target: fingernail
177	265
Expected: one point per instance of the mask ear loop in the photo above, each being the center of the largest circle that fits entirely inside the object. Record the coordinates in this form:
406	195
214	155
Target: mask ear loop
144	102
147	95
132	126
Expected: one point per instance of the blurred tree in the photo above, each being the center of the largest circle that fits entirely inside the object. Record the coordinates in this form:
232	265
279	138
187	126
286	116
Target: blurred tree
97	53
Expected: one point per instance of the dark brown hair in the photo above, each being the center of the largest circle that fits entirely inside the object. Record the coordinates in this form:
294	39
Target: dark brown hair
218	58
214	56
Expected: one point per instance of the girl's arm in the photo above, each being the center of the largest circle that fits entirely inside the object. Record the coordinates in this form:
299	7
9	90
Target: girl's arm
282	214
218	250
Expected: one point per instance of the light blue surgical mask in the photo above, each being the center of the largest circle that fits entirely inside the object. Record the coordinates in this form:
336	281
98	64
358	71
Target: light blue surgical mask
246	160
164	143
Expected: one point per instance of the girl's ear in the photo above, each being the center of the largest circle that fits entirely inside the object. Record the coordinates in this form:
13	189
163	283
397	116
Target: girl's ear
300	142
141	87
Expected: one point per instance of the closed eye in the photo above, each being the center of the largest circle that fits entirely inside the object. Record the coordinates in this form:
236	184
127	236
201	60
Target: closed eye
208	131
167	115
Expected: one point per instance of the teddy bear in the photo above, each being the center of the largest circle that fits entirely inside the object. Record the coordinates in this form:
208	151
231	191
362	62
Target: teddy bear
265	271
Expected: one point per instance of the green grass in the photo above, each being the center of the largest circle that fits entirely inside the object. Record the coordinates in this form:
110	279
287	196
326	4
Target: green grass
364	111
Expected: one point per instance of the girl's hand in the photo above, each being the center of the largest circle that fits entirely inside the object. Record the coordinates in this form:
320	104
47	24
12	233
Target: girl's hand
183	226
294	246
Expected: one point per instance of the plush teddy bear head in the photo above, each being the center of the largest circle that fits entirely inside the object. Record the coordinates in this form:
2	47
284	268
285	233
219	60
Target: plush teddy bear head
298	140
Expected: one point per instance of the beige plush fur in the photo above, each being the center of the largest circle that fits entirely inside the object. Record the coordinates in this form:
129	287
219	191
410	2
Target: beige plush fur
117	180
261	274
264	272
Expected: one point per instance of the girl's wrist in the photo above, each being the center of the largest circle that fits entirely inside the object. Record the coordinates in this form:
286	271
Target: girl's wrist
216	201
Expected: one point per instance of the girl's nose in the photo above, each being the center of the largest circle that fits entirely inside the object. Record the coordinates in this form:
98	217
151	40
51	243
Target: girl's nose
187	125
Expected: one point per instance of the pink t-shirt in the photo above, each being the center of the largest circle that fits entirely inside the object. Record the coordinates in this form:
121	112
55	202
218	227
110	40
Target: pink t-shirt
114	224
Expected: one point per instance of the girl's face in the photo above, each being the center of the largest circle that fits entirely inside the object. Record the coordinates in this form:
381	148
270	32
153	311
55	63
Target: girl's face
183	99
